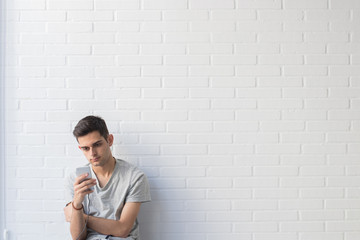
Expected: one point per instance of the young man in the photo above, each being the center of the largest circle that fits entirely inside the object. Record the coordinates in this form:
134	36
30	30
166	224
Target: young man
110	210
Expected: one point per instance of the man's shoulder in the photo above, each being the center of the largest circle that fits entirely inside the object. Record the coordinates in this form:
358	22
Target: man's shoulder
128	168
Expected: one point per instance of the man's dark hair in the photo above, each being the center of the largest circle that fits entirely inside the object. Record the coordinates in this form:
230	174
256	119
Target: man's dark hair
90	124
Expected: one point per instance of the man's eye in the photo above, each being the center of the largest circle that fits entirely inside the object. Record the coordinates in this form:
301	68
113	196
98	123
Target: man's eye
85	149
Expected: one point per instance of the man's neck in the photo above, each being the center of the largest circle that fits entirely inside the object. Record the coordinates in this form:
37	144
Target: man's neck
106	170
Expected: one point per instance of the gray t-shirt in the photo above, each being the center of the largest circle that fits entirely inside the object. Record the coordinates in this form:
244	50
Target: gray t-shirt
126	184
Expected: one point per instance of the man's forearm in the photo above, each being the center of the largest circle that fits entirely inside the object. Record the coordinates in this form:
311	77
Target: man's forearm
77	225
108	226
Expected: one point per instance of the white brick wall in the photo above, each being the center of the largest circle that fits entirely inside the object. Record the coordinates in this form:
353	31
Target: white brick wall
244	114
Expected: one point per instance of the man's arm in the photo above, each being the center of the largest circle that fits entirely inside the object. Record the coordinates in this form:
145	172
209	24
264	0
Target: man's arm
74	211
116	228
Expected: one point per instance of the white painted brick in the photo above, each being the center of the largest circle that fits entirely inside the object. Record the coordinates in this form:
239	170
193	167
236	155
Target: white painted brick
66	5
162	49
327	15
117	93
204	4
232	15
260	216
231	149
69	27
27	5
344	115
24	93
68	49
209	227
116	27
259	26
128	71
218	48
186	37
251	115
43	105
81	71
189	126
276	171
302	182
229	37
301	204
232	59
230	82
303	48
327	104
283	15
143	82
137	150
210	138
305	70
279	82
47	16
343	48
183	149
307	4
90	16
138	104
148	15
261	4
276	126
341	226
138	37
118	5
321	193
173	71
187	104
302	226
183	172
233	104
302	137
209	204
212	93
245	182
324	148
256	160
280	104
212	160
275	236
234	216
166	183
141	127
187	60
276	193
164	27
91	38
256	227
165	4
183	217
346	4
321	235
209	183
185	15
281	59
80	105
167	116
256	138
343	137
42	38
259	70
229	171
101	49
304	114
42	61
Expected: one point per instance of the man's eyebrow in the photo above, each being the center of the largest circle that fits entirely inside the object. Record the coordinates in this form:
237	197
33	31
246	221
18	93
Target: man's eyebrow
92	144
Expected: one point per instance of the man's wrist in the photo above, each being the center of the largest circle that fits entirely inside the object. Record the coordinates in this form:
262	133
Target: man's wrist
77	206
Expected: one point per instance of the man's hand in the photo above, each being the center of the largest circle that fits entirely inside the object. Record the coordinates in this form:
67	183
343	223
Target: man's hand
82	188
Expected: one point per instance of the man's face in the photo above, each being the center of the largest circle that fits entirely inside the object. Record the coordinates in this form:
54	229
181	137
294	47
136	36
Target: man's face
96	148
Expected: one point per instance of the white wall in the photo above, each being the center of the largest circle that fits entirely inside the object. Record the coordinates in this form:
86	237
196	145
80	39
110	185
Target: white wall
244	114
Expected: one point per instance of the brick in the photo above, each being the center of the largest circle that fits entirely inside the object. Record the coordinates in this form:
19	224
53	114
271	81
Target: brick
27	5
276	193
118	5
303	48
279	81
233	104
185	15
183	172
256	138
148	15
211	71
213	161
259	70
275	236
232	59
321	193
231	149
90	61
302	226
229	37
128	71
209	227
282	59
259	26
321	235
229	171
46	16
91	38
326	81
280	15
173	71
90	16
187	104
280	104
256	227
162	48
251	115
143	82
183	149
302	182
262	4
108	49
203	4
68	49
346	4
117	93
91	104
307	4
232	15
138	37
43	105
116	27
209	48
165	4
261	216
186	37
275	171
164	116
210	138
184	82
189	126
209	183
78	71
301	204
187	60
302	137
235	216
276	126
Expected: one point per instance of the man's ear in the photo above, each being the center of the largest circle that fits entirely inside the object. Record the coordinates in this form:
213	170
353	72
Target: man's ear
110	139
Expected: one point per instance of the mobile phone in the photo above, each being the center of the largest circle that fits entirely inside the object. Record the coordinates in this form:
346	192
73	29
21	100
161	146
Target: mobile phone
83	170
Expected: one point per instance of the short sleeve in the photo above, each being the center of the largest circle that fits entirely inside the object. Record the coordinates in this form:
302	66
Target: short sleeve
69	188
139	189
